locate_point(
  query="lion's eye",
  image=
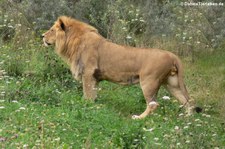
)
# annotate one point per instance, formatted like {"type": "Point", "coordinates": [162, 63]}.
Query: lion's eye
{"type": "Point", "coordinates": [51, 30]}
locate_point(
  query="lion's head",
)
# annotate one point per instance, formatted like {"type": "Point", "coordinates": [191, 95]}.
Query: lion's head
{"type": "Point", "coordinates": [65, 27]}
{"type": "Point", "coordinates": [65, 34]}
{"type": "Point", "coordinates": [49, 37]}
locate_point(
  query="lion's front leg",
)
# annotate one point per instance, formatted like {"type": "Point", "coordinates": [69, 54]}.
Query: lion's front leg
{"type": "Point", "coordinates": [89, 87]}
{"type": "Point", "coordinates": [150, 88]}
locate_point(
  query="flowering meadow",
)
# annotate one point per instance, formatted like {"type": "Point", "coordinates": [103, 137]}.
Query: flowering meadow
{"type": "Point", "coordinates": [41, 105]}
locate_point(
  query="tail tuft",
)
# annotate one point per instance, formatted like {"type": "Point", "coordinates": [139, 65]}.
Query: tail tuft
{"type": "Point", "coordinates": [198, 109]}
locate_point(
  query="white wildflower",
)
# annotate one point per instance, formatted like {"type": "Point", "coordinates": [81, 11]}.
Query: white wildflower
{"type": "Point", "coordinates": [10, 26]}
{"type": "Point", "coordinates": [57, 91]}
{"type": "Point", "coordinates": [150, 129]}
{"type": "Point", "coordinates": [180, 106]}
{"type": "Point", "coordinates": [128, 37]}
{"type": "Point", "coordinates": [187, 141]}
{"type": "Point", "coordinates": [25, 145]}
{"type": "Point", "coordinates": [57, 139]}
{"type": "Point", "coordinates": [186, 127]}
{"type": "Point", "coordinates": [156, 139]}
{"type": "Point", "coordinates": [176, 128]}
{"type": "Point", "coordinates": [199, 125]}
{"type": "Point", "coordinates": [181, 114]}
{"type": "Point", "coordinates": [196, 120]}
{"type": "Point", "coordinates": [166, 136]}
{"type": "Point", "coordinates": [14, 101]}
{"type": "Point", "coordinates": [157, 143]}
{"type": "Point", "coordinates": [165, 119]}
{"type": "Point", "coordinates": [2, 107]}
{"type": "Point", "coordinates": [22, 108]}
{"type": "Point", "coordinates": [166, 97]}
{"type": "Point", "coordinates": [208, 116]}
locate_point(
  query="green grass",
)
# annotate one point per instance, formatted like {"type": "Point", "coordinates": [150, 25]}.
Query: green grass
{"type": "Point", "coordinates": [41, 106]}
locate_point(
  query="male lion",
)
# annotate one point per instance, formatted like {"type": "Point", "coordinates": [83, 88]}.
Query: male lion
{"type": "Point", "coordinates": [92, 58]}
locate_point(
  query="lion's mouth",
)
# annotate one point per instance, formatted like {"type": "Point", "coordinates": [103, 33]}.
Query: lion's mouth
{"type": "Point", "coordinates": [46, 43]}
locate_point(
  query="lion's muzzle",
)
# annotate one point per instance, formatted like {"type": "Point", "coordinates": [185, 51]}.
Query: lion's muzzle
{"type": "Point", "coordinates": [46, 43]}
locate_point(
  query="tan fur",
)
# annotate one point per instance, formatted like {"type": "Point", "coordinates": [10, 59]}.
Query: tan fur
{"type": "Point", "coordinates": [92, 58]}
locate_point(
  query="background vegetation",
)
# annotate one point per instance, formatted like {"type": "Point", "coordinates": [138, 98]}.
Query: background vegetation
{"type": "Point", "coordinates": [41, 105]}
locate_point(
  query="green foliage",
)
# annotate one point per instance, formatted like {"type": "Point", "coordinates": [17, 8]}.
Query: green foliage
{"type": "Point", "coordinates": [161, 24]}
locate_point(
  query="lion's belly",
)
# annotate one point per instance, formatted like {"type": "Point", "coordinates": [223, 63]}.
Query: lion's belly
{"type": "Point", "coordinates": [124, 78]}
{"type": "Point", "coordinates": [129, 80]}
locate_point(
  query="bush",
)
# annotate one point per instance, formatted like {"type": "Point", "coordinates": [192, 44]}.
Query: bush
{"type": "Point", "coordinates": [168, 25]}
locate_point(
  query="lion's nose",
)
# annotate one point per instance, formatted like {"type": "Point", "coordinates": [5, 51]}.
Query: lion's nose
{"type": "Point", "coordinates": [42, 36]}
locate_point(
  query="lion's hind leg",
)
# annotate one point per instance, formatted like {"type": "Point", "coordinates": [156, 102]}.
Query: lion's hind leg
{"type": "Point", "coordinates": [182, 96]}
{"type": "Point", "coordinates": [150, 89]}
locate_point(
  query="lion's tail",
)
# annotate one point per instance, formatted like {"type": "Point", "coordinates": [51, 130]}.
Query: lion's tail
{"type": "Point", "coordinates": [180, 74]}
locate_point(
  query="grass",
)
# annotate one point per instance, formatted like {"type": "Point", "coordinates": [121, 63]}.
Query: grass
{"type": "Point", "coordinates": [41, 106]}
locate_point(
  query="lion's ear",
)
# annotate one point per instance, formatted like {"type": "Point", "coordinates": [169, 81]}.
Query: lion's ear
{"type": "Point", "coordinates": [62, 25]}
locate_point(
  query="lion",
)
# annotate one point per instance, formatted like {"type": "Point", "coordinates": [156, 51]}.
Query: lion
{"type": "Point", "coordinates": [92, 58]}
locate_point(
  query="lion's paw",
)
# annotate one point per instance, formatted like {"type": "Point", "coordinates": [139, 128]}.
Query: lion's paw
{"type": "Point", "coordinates": [136, 117]}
